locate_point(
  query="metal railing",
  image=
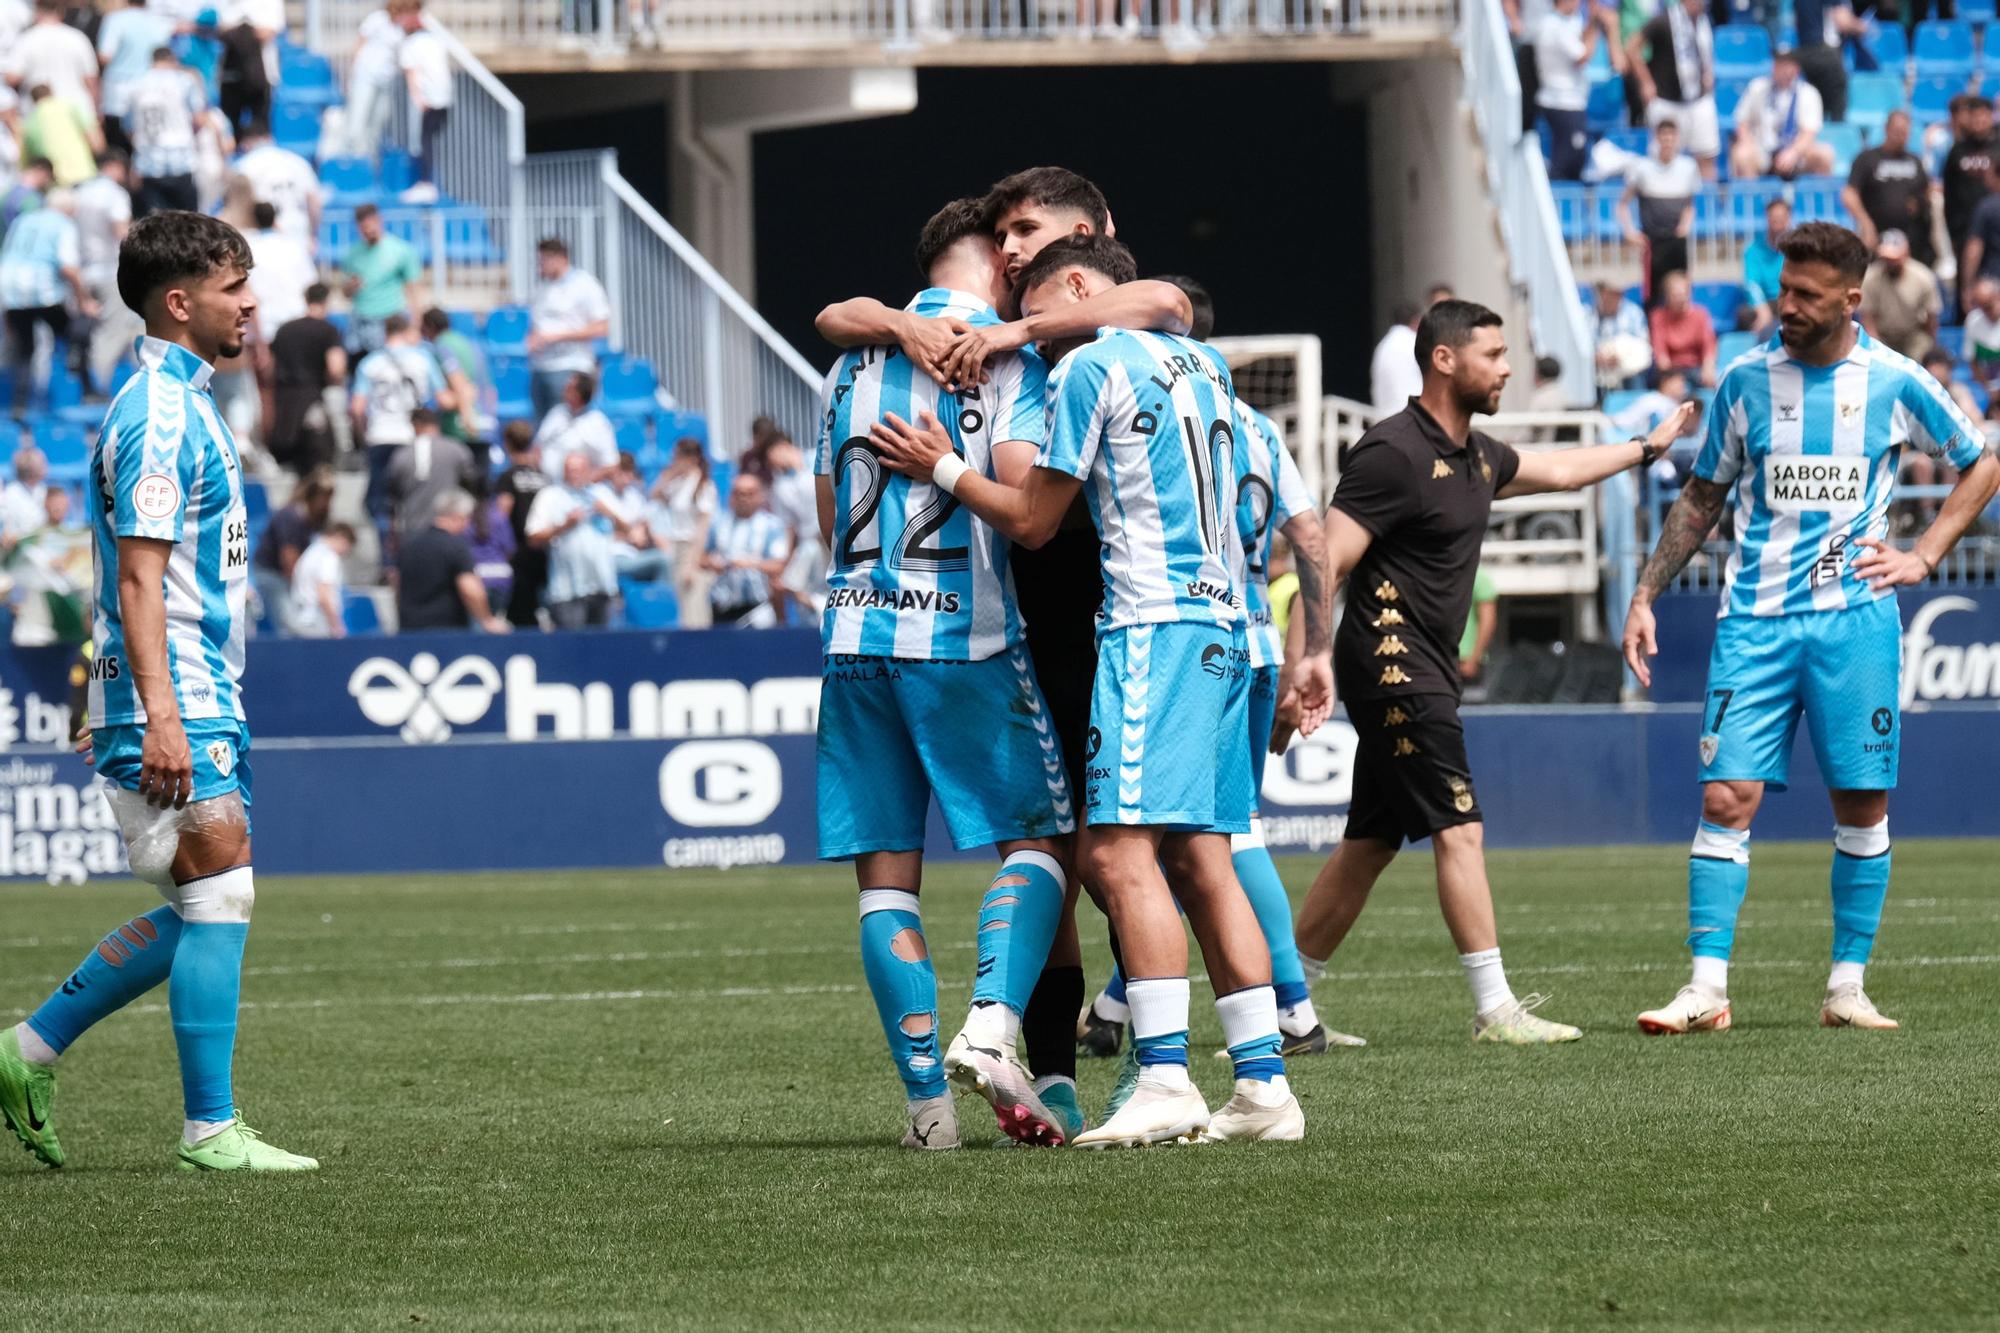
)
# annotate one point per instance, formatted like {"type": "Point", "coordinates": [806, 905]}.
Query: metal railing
{"type": "Point", "coordinates": [1727, 218]}
{"type": "Point", "coordinates": [1518, 184]}
{"type": "Point", "coordinates": [908, 25]}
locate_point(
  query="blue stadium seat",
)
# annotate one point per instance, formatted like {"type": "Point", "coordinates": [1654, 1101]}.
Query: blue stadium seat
{"type": "Point", "coordinates": [340, 320]}
{"type": "Point", "coordinates": [1605, 111]}
{"type": "Point", "coordinates": [466, 322]}
{"type": "Point", "coordinates": [1944, 49]}
{"type": "Point", "coordinates": [1845, 141]}
{"type": "Point", "coordinates": [1742, 51]}
{"type": "Point", "coordinates": [1817, 199]}
{"type": "Point", "coordinates": [1951, 337]}
{"type": "Point", "coordinates": [513, 399]}
{"type": "Point", "coordinates": [467, 238]}
{"type": "Point", "coordinates": [1931, 97]}
{"type": "Point", "coordinates": [673, 427]}
{"type": "Point", "coordinates": [296, 127]}
{"type": "Point", "coordinates": [1728, 92]}
{"type": "Point", "coordinates": [1978, 13]}
{"type": "Point", "coordinates": [626, 389]}
{"type": "Point", "coordinates": [1722, 300]}
{"type": "Point", "coordinates": [650, 605]}
{"type": "Point", "coordinates": [306, 80]}
{"type": "Point", "coordinates": [349, 181]}
{"type": "Point", "coordinates": [507, 331]}
{"type": "Point", "coordinates": [1870, 99]}
{"type": "Point", "coordinates": [632, 437]}
{"type": "Point", "coordinates": [1729, 346]}
{"type": "Point", "coordinates": [399, 170]}
{"type": "Point", "coordinates": [67, 448]}
{"type": "Point", "coordinates": [1890, 46]}
{"type": "Point", "coordinates": [361, 614]}
{"type": "Point", "coordinates": [1632, 140]}
{"type": "Point", "coordinates": [1572, 199]}
{"type": "Point", "coordinates": [1619, 399]}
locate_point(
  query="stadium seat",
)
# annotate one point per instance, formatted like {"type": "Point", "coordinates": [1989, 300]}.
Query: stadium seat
{"type": "Point", "coordinates": [1635, 140]}
{"type": "Point", "coordinates": [626, 389]}
{"type": "Point", "coordinates": [1722, 300]}
{"type": "Point", "coordinates": [507, 331]}
{"type": "Point", "coordinates": [349, 181]}
{"type": "Point", "coordinates": [650, 605]}
{"type": "Point", "coordinates": [1731, 345]}
{"type": "Point", "coordinates": [1742, 51]}
{"type": "Point", "coordinates": [467, 322]}
{"type": "Point", "coordinates": [1931, 98]}
{"type": "Point", "coordinates": [1844, 139]}
{"type": "Point", "coordinates": [306, 80]}
{"type": "Point", "coordinates": [399, 170]}
{"type": "Point", "coordinates": [1978, 13]}
{"type": "Point", "coordinates": [1728, 92]}
{"type": "Point", "coordinates": [467, 238]}
{"type": "Point", "coordinates": [1619, 399]}
{"type": "Point", "coordinates": [1870, 99]}
{"type": "Point", "coordinates": [672, 427]}
{"type": "Point", "coordinates": [1890, 46]}
{"type": "Point", "coordinates": [296, 127]}
{"type": "Point", "coordinates": [340, 320]}
{"type": "Point", "coordinates": [361, 614]}
{"type": "Point", "coordinates": [1951, 337]}
{"type": "Point", "coordinates": [1817, 199]}
{"type": "Point", "coordinates": [513, 401]}
{"type": "Point", "coordinates": [1605, 111]}
{"type": "Point", "coordinates": [1944, 49]}
{"type": "Point", "coordinates": [632, 438]}
{"type": "Point", "coordinates": [1572, 200]}
{"type": "Point", "coordinates": [67, 448]}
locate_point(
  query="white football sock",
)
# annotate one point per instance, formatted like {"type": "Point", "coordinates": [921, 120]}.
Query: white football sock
{"type": "Point", "coordinates": [1844, 974]}
{"type": "Point", "coordinates": [1174, 1078]}
{"type": "Point", "coordinates": [1314, 968]}
{"type": "Point", "coordinates": [1298, 1020]}
{"type": "Point", "coordinates": [1488, 980]}
{"type": "Point", "coordinates": [1712, 973]}
{"type": "Point", "coordinates": [194, 1131]}
{"type": "Point", "coordinates": [1110, 1010]}
{"type": "Point", "coordinates": [994, 1026]}
{"type": "Point", "coordinates": [33, 1049]}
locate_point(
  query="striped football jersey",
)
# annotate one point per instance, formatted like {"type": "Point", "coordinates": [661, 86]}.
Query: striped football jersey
{"type": "Point", "coordinates": [1269, 494]}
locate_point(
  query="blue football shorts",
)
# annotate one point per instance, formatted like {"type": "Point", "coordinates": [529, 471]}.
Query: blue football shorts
{"type": "Point", "coordinates": [895, 732]}
{"type": "Point", "coordinates": [221, 749]}
{"type": "Point", "coordinates": [1169, 729]}
{"type": "Point", "coordinates": [1841, 670]}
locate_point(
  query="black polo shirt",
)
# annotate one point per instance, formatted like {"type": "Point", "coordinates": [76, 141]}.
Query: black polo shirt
{"type": "Point", "coordinates": [1425, 500]}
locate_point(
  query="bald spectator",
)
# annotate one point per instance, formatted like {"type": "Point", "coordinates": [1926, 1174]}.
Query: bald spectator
{"type": "Point", "coordinates": [1900, 302]}
{"type": "Point", "coordinates": [1889, 190]}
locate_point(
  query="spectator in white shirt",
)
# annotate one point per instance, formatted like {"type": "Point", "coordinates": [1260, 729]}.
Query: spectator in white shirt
{"type": "Point", "coordinates": [280, 274]}
{"type": "Point", "coordinates": [373, 78]}
{"type": "Point", "coordinates": [319, 586]}
{"type": "Point", "coordinates": [1777, 126]}
{"type": "Point", "coordinates": [103, 216]}
{"type": "Point", "coordinates": [1662, 186]}
{"type": "Point", "coordinates": [426, 65]}
{"type": "Point", "coordinates": [746, 549]}
{"type": "Point", "coordinates": [1563, 47]}
{"type": "Point", "coordinates": [23, 501]}
{"type": "Point", "coordinates": [684, 504]}
{"type": "Point", "coordinates": [125, 43]}
{"type": "Point", "coordinates": [281, 178]}
{"type": "Point", "coordinates": [1393, 375]}
{"type": "Point", "coordinates": [571, 312]}
{"type": "Point", "coordinates": [795, 500]}
{"type": "Point", "coordinates": [575, 527]}
{"type": "Point", "coordinates": [52, 52]}
{"type": "Point", "coordinates": [573, 426]}
{"type": "Point", "coordinates": [1622, 338]}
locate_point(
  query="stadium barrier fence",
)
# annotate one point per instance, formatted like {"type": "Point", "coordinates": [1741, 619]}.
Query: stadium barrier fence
{"type": "Point", "coordinates": [695, 748]}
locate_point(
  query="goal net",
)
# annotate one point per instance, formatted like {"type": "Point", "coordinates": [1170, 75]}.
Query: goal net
{"type": "Point", "coordinates": [1278, 374]}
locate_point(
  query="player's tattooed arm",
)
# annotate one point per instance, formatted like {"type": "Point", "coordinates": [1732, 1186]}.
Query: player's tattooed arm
{"type": "Point", "coordinates": [1308, 539]}
{"type": "Point", "coordinates": [866, 322]}
{"type": "Point", "coordinates": [1687, 526]}
{"type": "Point", "coordinates": [1160, 307]}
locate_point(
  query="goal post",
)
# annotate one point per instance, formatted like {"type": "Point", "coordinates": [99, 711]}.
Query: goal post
{"type": "Point", "coordinates": [1279, 375]}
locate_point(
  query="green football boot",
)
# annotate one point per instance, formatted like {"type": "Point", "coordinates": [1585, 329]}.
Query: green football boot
{"type": "Point", "coordinates": [1128, 1079]}
{"type": "Point", "coordinates": [237, 1147]}
{"type": "Point", "coordinates": [27, 1100]}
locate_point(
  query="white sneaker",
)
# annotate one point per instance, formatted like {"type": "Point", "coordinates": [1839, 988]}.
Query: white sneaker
{"type": "Point", "coordinates": [933, 1124]}
{"type": "Point", "coordinates": [1154, 1114]}
{"type": "Point", "coordinates": [1515, 1024]}
{"type": "Point", "coordinates": [1848, 1006]}
{"type": "Point", "coordinates": [1696, 1008]}
{"type": "Point", "coordinates": [997, 1074]}
{"type": "Point", "coordinates": [423, 192]}
{"type": "Point", "coordinates": [1244, 1118]}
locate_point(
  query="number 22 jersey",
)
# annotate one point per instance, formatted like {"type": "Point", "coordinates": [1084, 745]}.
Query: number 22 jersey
{"type": "Point", "coordinates": [164, 467]}
{"type": "Point", "coordinates": [914, 574]}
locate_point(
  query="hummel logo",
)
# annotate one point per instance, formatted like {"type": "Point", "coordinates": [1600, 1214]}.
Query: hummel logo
{"type": "Point", "coordinates": [1392, 646]}
{"type": "Point", "coordinates": [1440, 469]}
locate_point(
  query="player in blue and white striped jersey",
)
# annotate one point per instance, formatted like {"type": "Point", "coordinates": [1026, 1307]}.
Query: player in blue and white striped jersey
{"type": "Point", "coordinates": [172, 555]}
{"type": "Point", "coordinates": [1143, 425]}
{"type": "Point", "coordinates": [1807, 432]}
{"type": "Point", "coordinates": [928, 689]}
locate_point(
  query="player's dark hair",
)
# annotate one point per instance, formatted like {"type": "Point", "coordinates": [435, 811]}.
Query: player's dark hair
{"type": "Point", "coordinates": [257, 128]}
{"type": "Point", "coordinates": [1099, 254]}
{"type": "Point", "coordinates": [1202, 327]}
{"type": "Point", "coordinates": [173, 247]}
{"type": "Point", "coordinates": [1826, 243]}
{"type": "Point", "coordinates": [39, 164]}
{"type": "Point", "coordinates": [364, 211]}
{"type": "Point", "coordinates": [1451, 323]}
{"type": "Point", "coordinates": [628, 461]}
{"type": "Point", "coordinates": [113, 157]}
{"type": "Point", "coordinates": [956, 221]}
{"type": "Point", "coordinates": [1051, 187]}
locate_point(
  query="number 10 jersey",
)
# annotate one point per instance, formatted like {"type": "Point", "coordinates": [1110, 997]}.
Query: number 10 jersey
{"type": "Point", "coordinates": [914, 574]}
{"type": "Point", "coordinates": [165, 468]}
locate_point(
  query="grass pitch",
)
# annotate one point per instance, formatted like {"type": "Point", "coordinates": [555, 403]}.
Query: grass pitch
{"type": "Point", "coordinates": [662, 1100]}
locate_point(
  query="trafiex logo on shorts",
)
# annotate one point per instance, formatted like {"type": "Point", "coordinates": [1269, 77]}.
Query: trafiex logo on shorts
{"type": "Point", "coordinates": [54, 831]}
{"type": "Point", "coordinates": [1939, 671]}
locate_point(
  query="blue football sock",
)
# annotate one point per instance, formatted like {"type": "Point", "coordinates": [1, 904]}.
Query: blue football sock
{"type": "Point", "coordinates": [1259, 877]}
{"type": "Point", "coordinates": [1017, 924]}
{"type": "Point", "coordinates": [202, 995]}
{"type": "Point", "coordinates": [1114, 989]}
{"type": "Point", "coordinates": [127, 963]}
{"type": "Point", "coordinates": [1718, 877]}
{"type": "Point", "coordinates": [1159, 1020]}
{"type": "Point", "coordinates": [900, 976]}
{"type": "Point", "coordinates": [1860, 885]}
{"type": "Point", "coordinates": [1250, 1030]}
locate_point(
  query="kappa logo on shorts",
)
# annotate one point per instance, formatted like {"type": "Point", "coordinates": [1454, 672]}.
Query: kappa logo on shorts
{"type": "Point", "coordinates": [1883, 721]}
{"type": "Point", "coordinates": [1710, 747]}
{"type": "Point", "coordinates": [222, 756]}
{"type": "Point", "coordinates": [1394, 675]}
{"type": "Point", "coordinates": [1392, 646]}
{"type": "Point", "coordinates": [1461, 794]}
{"type": "Point", "coordinates": [1389, 617]}
{"type": "Point", "coordinates": [1395, 717]}
{"type": "Point", "coordinates": [1214, 660]}
{"type": "Point", "coordinates": [1404, 748]}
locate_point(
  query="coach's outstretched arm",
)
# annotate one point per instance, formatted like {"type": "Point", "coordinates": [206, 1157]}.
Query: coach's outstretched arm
{"type": "Point", "coordinates": [1027, 515]}
{"type": "Point", "coordinates": [864, 321]}
{"type": "Point", "coordinates": [1148, 304]}
{"type": "Point", "coordinates": [1686, 527]}
{"type": "Point", "coordinates": [1884, 566]}
{"type": "Point", "coordinates": [1574, 469]}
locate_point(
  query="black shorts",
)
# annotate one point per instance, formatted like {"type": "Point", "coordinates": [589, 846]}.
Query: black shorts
{"type": "Point", "coordinates": [1410, 773]}
{"type": "Point", "coordinates": [1059, 589]}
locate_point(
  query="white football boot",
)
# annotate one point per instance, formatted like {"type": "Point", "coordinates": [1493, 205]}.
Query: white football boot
{"type": "Point", "coordinates": [933, 1124]}
{"type": "Point", "coordinates": [997, 1074]}
{"type": "Point", "coordinates": [1697, 1008]}
{"type": "Point", "coordinates": [1515, 1024]}
{"type": "Point", "coordinates": [1154, 1113]}
{"type": "Point", "coordinates": [1258, 1113]}
{"type": "Point", "coordinates": [1848, 1006]}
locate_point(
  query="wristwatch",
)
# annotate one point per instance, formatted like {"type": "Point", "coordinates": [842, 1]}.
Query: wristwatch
{"type": "Point", "coordinates": [1648, 455]}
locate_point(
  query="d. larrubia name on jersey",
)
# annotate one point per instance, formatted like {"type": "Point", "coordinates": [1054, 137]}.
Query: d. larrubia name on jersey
{"type": "Point", "coordinates": [914, 575]}
{"type": "Point", "coordinates": [1813, 453]}
{"type": "Point", "coordinates": [1136, 416]}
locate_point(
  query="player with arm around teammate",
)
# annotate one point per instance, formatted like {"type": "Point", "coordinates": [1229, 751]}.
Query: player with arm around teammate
{"type": "Point", "coordinates": [1142, 424]}
{"type": "Point", "coordinates": [1404, 533]}
{"type": "Point", "coordinates": [172, 554]}
{"type": "Point", "coordinates": [928, 688]}
{"type": "Point", "coordinates": [1808, 430]}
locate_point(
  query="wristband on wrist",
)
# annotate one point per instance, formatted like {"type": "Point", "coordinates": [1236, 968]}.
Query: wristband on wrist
{"type": "Point", "coordinates": [946, 472]}
{"type": "Point", "coordinates": [1648, 455]}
